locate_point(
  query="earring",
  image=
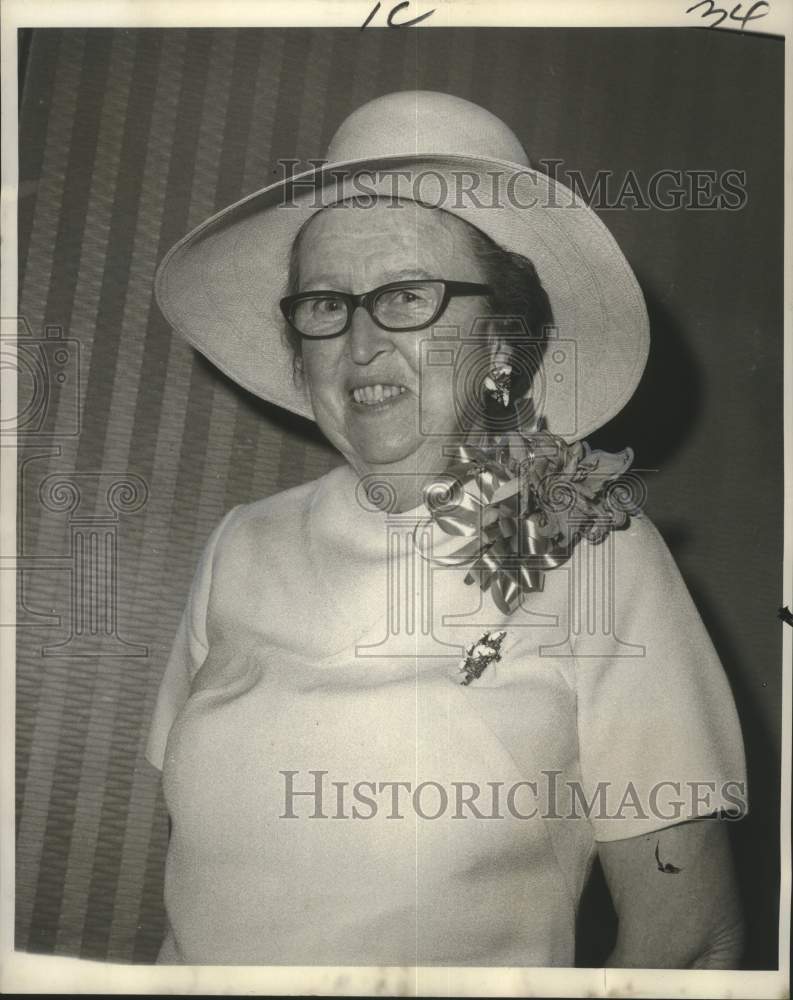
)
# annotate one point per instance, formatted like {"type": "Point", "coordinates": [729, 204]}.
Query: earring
{"type": "Point", "coordinates": [498, 382]}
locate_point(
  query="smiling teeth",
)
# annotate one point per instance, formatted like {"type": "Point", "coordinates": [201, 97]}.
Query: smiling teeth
{"type": "Point", "coordinates": [369, 394]}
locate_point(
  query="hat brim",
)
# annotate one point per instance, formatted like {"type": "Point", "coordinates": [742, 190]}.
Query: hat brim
{"type": "Point", "coordinates": [220, 285]}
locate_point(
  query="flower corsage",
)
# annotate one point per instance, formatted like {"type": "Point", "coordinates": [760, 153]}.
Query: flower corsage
{"type": "Point", "coordinates": [522, 502]}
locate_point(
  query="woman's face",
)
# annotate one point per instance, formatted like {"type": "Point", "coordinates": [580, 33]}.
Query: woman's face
{"type": "Point", "coordinates": [355, 249]}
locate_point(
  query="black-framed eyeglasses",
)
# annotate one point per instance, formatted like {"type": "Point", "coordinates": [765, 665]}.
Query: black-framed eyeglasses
{"type": "Point", "coordinates": [397, 306]}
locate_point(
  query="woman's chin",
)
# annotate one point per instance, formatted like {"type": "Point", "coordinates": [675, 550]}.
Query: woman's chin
{"type": "Point", "coordinates": [385, 442]}
{"type": "Point", "coordinates": [388, 452]}
{"type": "Point", "coordinates": [400, 450]}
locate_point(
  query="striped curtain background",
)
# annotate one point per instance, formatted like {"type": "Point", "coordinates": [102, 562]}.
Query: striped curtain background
{"type": "Point", "coordinates": [132, 447]}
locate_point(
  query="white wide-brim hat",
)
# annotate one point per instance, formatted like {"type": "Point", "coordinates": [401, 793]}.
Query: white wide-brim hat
{"type": "Point", "coordinates": [221, 284]}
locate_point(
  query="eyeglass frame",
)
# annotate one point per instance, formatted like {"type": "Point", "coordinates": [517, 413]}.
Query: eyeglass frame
{"type": "Point", "coordinates": [451, 289]}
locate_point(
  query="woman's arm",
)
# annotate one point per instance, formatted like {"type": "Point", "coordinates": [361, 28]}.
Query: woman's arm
{"type": "Point", "coordinates": [689, 919]}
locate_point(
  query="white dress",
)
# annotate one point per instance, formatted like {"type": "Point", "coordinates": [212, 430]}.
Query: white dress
{"type": "Point", "coordinates": [338, 797]}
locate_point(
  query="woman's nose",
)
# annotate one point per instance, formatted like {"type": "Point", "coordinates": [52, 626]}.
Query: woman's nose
{"type": "Point", "coordinates": [366, 338]}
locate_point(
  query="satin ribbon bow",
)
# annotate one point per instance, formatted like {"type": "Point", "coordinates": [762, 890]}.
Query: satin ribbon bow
{"type": "Point", "coordinates": [513, 500]}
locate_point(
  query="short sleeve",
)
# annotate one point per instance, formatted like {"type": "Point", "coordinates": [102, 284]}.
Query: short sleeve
{"type": "Point", "coordinates": [187, 653]}
{"type": "Point", "coordinates": [659, 736]}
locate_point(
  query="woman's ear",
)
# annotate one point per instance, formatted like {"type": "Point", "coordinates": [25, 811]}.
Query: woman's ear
{"type": "Point", "coordinates": [298, 371]}
{"type": "Point", "coordinates": [497, 386]}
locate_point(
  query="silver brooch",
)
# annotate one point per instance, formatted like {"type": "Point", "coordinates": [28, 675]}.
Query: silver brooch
{"type": "Point", "coordinates": [480, 654]}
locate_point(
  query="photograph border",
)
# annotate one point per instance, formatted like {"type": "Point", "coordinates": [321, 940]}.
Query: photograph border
{"type": "Point", "coordinates": [27, 973]}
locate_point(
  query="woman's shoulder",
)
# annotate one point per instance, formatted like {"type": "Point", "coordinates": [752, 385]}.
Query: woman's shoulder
{"type": "Point", "coordinates": [632, 576]}
{"type": "Point", "coordinates": [272, 516]}
{"type": "Point", "coordinates": [637, 546]}
{"type": "Point", "coordinates": [632, 569]}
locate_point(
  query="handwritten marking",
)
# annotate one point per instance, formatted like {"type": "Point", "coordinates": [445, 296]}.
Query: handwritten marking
{"type": "Point", "coordinates": [369, 18]}
{"type": "Point", "coordinates": [390, 20]}
{"type": "Point", "coordinates": [665, 866]}
{"type": "Point", "coordinates": [734, 15]}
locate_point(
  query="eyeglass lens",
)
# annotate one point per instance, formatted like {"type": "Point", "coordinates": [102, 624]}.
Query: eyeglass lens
{"type": "Point", "coordinates": [397, 308]}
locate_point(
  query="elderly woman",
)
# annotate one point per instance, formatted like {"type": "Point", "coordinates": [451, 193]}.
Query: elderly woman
{"type": "Point", "coordinates": [410, 702]}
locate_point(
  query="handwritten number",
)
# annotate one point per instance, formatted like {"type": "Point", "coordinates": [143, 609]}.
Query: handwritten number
{"type": "Point", "coordinates": [392, 14]}
{"type": "Point", "coordinates": [750, 15]}
{"type": "Point", "coordinates": [374, 11]}
{"type": "Point", "coordinates": [712, 9]}
{"type": "Point", "coordinates": [734, 15]}
{"type": "Point", "coordinates": [407, 24]}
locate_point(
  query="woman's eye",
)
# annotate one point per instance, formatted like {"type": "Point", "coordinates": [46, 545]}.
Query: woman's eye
{"type": "Point", "coordinates": [405, 296]}
{"type": "Point", "coordinates": [325, 305]}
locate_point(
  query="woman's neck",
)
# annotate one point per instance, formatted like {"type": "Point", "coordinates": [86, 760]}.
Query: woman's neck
{"type": "Point", "coordinates": [402, 486]}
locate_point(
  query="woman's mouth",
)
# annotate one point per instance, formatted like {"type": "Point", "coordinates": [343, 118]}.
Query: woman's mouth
{"type": "Point", "coordinates": [374, 395]}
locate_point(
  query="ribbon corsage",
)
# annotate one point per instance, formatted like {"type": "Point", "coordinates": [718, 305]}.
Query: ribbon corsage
{"type": "Point", "coordinates": [523, 502]}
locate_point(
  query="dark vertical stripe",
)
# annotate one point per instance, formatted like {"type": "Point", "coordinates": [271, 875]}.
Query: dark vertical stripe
{"type": "Point", "coordinates": [226, 114]}
{"type": "Point", "coordinates": [286, 126]}
{"type": "Point", "coordinates": [151, 921]}
{"type": "Point", "coordinates": [61, 806]}
{"type": "Point", "coordinates": [236, 132]}
{"type": "Point", "coordinates": [290, 88]}
{"type": "Point", "coordinates": [487, 53]}
{"type": "Point", "coordinates": [70, 232]}
{"type": "Point", "coordinates": [234, 142]}
{"type": "Point", "coordinates": [157, 340]}
{"type": "Point", "coordinates": [34, 113]}
{"type": "Point", "coordinates": [77, 183]}
{"type": "Point", "coordinates": [121, 241]}
{"type": "Point", "coordinates": [29, 666]}
{"type": "Point", "coordinates": [114, 816]}
{"type": "Point", "coordinates": [65, 254]}
{"type": "Point", "coordinates": [433, 58]}
{"type": "Point", "coordinates": [390, 76]}
{"type": "Point", "coordinates": [336, 93]}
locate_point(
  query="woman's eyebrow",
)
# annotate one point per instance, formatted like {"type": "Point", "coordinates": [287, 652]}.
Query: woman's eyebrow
{"type": "Point", "coordinates": [407, 273]}
{"type": "Point", "coordinates": [324, 282]}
